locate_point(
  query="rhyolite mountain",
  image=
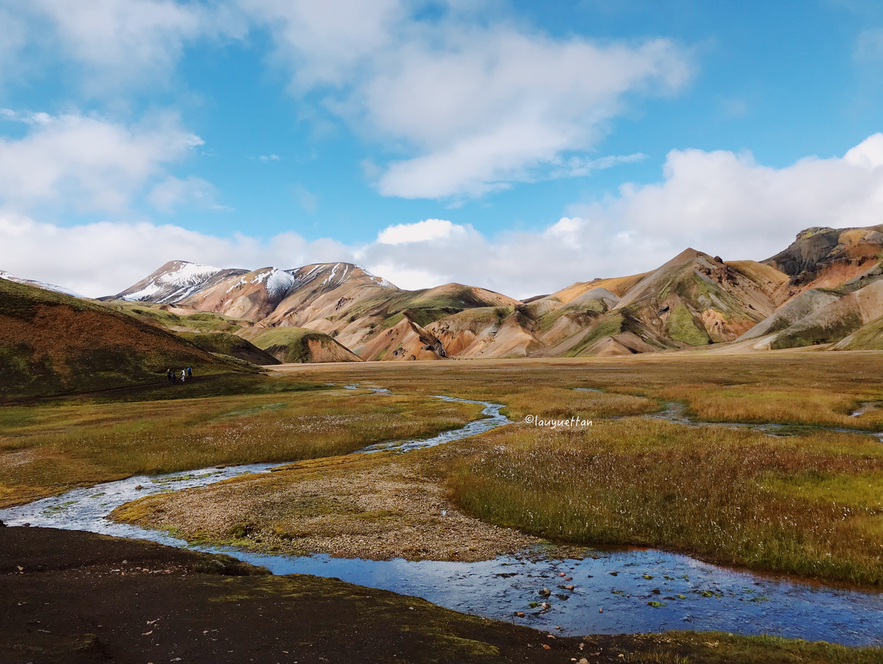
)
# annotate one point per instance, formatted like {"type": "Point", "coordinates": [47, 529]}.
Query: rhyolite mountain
{"type": "Point", "coordinates": [823, 288]}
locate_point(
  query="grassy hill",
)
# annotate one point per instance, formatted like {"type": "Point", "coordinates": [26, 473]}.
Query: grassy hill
{"type": "Point", "coordinates": [52, 343]}
{"type": "Point", "coordinates": [297, 344]}
{"type": "Point", "coordinates": [230, 344]}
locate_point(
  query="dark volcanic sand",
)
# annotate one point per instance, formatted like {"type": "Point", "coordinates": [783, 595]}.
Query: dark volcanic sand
{"type": "Point", "coordinates": [80, 597]}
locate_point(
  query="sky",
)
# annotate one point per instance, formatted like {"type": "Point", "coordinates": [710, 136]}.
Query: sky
{"type": "Point", "coordinates": [513, 145]}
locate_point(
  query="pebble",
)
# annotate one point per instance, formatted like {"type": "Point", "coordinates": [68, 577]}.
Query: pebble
{"type": "Point", "coordinates": [138, 487]}
{"type": "Point", "coordinates": [568, 587]}
{"type": "Point", "coordinates": [546, 605]}
{"type": "Point", "coordinates": [520, 614]}
{"type": "Point", "coordinates": [545, 592]}
{"type": "Point", "coordinates": [600, 610]}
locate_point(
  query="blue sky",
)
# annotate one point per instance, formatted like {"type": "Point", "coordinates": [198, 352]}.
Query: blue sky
{"type": "Point", "coordinates": [519, 146]}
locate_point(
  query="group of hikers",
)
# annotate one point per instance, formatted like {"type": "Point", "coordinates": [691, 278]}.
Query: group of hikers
{"type": "Point", "coordinates": [185, 373]}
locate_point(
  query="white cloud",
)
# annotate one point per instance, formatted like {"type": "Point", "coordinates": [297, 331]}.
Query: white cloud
{"type": "Point", "coordinates": [580, 167]}
{"type": "Point", "coordinates": [474, 105]}
{"type": "Point", "coordinates": [125, 41]}
{"type": "Point", "coordinates": [86, 161]}
{"type": "Point", "coordinates": [430, 230]}
{"type": "Point", "coordinates": [718, 202]}
{"type": "Point", "coordinates": [104, 258]}
{"type": "Point", "coordinates": [266, 158]}
{"type": "Point", "coordinates": [470, 102]}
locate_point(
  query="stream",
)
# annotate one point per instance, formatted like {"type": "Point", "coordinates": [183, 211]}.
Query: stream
{"type": "Point", "coordinates": [614, 591]}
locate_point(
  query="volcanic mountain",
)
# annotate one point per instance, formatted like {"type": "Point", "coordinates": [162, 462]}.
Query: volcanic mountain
{"type": "Point", "coordinates": [341, 300]}
{"type": "Point", "coordinates": [820, 289]}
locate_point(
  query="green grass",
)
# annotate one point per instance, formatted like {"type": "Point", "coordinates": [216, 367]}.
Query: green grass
{"type": "Point", "coordinates": [818, 334]}
{"type": "Point", "coordinates": [681, 327]}
{"type": "Point", "coordinates": [611, 326]}
{"type": "Point", "coordinates": [229, 344]}
{"type": "Point", "coordinates": [288, 344]}
{"type": "Point", "coordinates": [200, 322]}
{"type": "Point", "coordinates": [725, 648]}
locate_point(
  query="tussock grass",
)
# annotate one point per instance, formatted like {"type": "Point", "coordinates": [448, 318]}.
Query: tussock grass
{"type": "Point", "coordinates": [47, 449]}
{"type": "Point", "coordinates": [803, 505]}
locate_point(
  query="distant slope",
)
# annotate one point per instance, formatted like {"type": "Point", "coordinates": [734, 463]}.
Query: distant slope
{"type": "Point", "coordinates": [230, 344]}
{"type": "Point", "coordinates": [52, 343]}
{"type": "Point", "coordinates": [38, 284]}
{"type": "Point", "coordinates": [827, 258]}
{"type": "Point", "coordinates": [867, 337]}
{"type": "Point", "coordinates": [823, 315]}
{"type": "Point", "coordinates": [179, 320]}
{"type": "Point", "coordinates": [294, 344]}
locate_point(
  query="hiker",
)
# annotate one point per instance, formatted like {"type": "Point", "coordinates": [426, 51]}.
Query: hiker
{"type": "Point", "coordinates": [183, 374]}
{"type": "Point", "coordinates": [190, 372]}
{"type": "Point", "coordinates": [170, 376]}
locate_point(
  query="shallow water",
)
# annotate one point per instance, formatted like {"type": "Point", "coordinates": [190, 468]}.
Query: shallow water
{"type": "Point", "coordinates": [615, 581]}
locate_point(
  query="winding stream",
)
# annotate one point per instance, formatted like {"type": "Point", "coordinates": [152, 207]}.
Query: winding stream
{"type": "Point", "coordinates": [614, 591]}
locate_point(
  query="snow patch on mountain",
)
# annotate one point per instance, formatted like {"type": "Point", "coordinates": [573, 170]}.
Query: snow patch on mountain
{"type": "Point", "coordinates": [383, 283]}
{"type": "Point", "coordinates": [39, 284]}
{"type": "Point", "coordinates": [178, 284]}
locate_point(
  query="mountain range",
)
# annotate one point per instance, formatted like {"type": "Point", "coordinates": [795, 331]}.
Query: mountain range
{"type": "Point", "coordinates": [825, 288]}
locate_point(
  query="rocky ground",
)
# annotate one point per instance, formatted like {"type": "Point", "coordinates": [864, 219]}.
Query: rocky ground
{"type": "Point", "coordinates": [358, 506]}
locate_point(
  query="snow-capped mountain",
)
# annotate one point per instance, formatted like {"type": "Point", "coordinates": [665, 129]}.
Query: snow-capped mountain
{"type": "Point", "coordinates": [38, 284]}
{"type": "Point", "coordinates": [175, 281]}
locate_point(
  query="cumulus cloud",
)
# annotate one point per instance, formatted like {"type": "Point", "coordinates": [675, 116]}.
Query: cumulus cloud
{"type": "Point", "coordinates": [476, 105]}
{"type": "Point", "coordinates": [468, 101]}
{"type": "Point", "coordinates": [124, 41]}
{"type": "Point", "coordinates": [430, 230]}
{"type": "Point", "coordinates": [718, 202]}
{"type": "Point", "coordinates": [88, 162]}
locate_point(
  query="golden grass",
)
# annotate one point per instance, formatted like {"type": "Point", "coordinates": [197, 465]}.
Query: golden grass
{"type": "Point", "coordinates": [805, 505]}
{"type": "Point", "coordinates": [812, 388]}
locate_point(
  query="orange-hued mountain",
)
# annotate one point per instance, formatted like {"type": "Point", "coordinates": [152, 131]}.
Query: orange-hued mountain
{"type": "Point", "coordinates": [823, 288]}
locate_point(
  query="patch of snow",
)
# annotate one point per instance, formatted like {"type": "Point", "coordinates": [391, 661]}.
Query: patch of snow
{"type": "Point", "coordinates": [239, 283]}
{"type": "Point", "coordinates": [383, 283]}
{"type": "Point", "coordinates": [331, 276]}
{"type": "Point", "coordinates": [38, 284]}
{"type": "Point", "coordinates": [279, 283]}
{"type": "Point", "coordinates": [178, 284]}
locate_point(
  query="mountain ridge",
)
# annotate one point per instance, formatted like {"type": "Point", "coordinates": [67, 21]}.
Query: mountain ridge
{"type": "Point", "coordinates": [818, 290]}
